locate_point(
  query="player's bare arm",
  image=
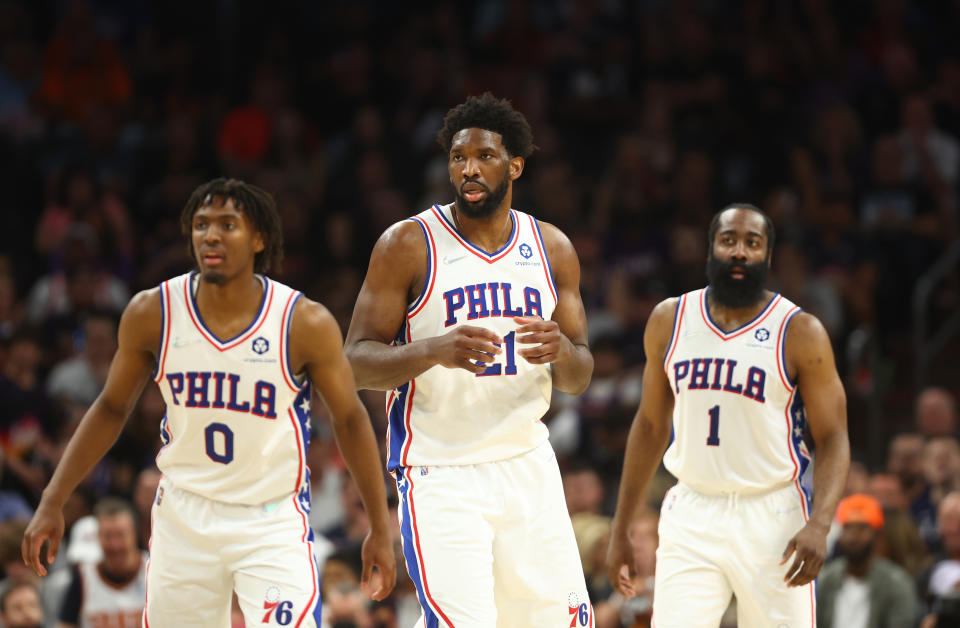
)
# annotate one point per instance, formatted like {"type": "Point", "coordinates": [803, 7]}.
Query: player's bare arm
{"type": "Point", "coordinates": [317, 348]}
{"type": "Point", "coordinates": [395, 277]}
{"type": "Point", "coordinates": [811, 364]}
{"type": "Point", "coordinates": [561, 341]}
{"type": "Point", "coordinates": [138, 338]}
{"type": "Point", "coordinates": [646, 443]}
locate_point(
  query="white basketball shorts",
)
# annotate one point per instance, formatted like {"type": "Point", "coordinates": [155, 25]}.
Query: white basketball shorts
{"type": "Point", "coordinates": [491, 545]}
{"type": "Point", "coordinates": [712, 547]}
{"type": "Point", "coordinates": [202, 550]}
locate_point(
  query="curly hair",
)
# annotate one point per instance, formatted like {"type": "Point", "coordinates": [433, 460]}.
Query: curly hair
{"type": "Point", "coordinates": [255, 202]}
{"type": "Point", "coordinates": [493, 114]}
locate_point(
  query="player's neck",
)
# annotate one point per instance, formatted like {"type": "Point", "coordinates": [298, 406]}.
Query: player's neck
{"type": "Point", "coordinates": [227, 307]}
{"type": "Point", "coordinates": [490, 233]}
{"type": "Point", "coordinates": [728, 318]}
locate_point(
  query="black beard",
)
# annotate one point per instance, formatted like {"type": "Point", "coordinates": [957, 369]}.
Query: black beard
{"type": "Point", "coordinates": [859, 556]}
{"type": "Point", "coordinates": [736, 293]}
{"type": "Point", "coordinates": [487, 206]}
{"type": "Point", "coordinates": [215, 277]}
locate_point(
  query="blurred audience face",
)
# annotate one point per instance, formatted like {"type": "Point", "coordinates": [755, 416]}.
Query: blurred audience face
{"type": "Point", "coordinates": [583, 490]}
{"type": "Point", "coordinates": [886, 489]}
{"type": "Point", "coordinates": [935, 413]}
{"type": "Point", "coordinates": [118, 538]}
{"type": "Point", "coordinates": [904, 458]}
{"type": "Point", "coordinates": [21, 608]}
{"type": "Point", "coordinates": [858, 479]}
{"type": "Point", "coordinates": [941, 462]}
{"type": "Point", "coordinates": [948, 524]}
{"type": "Point", "coordinates": [856, 542]}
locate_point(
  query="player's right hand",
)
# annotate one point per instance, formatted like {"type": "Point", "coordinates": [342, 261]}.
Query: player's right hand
{"type": "Point", "coordinates": [46, 525]}
{"type": "Point", "coordinates": [466, 347]}
{"type": "Point", "coordinates": [377, 551]}
{"type": "Point", "coordinates": [620, 569]}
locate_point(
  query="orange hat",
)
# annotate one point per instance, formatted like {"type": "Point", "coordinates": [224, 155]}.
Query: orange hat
{"type": "Point", "coordinates": [860, 509]}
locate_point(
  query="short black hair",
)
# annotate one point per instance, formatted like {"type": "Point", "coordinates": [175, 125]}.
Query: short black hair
{"type": "Point", "coordinates": [493, 114]}
{"type": "Point", "coordinates": [771, 233]}
{"type": "Point", "coordinates": [258, 205]}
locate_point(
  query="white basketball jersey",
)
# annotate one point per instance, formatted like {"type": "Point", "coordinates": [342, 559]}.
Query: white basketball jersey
{"type": "Point", "coordinates": [109, 605]}
{"type": "Point", "coordinates": [738, 419]}
{"type": "Point", "coordinates": [452, 416]}
{"type": "Point", "coordinates": [238, 420]}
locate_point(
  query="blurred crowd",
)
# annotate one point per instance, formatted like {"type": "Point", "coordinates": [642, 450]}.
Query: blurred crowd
{"type": "Point", "coordinates": [841, 120]}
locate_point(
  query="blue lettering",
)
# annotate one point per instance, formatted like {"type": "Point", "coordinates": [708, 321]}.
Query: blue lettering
{"type": "Point", "coordinates": [218, 390]}
{"type": "Point", "coordinates": [507, 310]}
{"type": "Point", "coordinates": [756, 379]}
{"type": "Point", "coordinates": [232, 404]}
{"type": "Point", "coordinates": [717, 367]}
{"type": "Point", "coordinates": [455, 301]}
{"type": "Point", "coordinates": [478, 302]}
{"type": "Point", "coordinates": [531, 298]}
{"type": "Point", "coordinates": [701, 368]}
{"type": "Point", "coordinates": [495, 310]}
{"type": "Point", "coordinates": [680, 371]}
{"type": "Point", "coordinates": [197, 392]}
{"type": "Point", "coordinates": [264, 400]}
{"type": "Point", "coordinates": [175, 380]}
{"type": "Point", "coordinates": [729, 387]}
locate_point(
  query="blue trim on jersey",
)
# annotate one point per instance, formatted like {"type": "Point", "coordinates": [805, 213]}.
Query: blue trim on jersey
{"type": "Point", "coordinates": [673, 331]}
{"type": "Point", "coordinates": [706, 309]}
{"type": "Point", "coordinates": [193, 303]}
{"type": "Point", "coordinates": [783, 348]}
{"type": "Point", "coordinates": [453, 227]}
{"type": "Point", "coordinates": [543, 247]}
{"type": "Point", "coordinates": [397, 426]}
{"type": "Point", "coordinates": [430, 264]}
{"type": "Point", "coordinates": [286, 342]}
{"type": "Point", "coordinates": [303, 420]}
{"type": "Point", "coordinates": [163, 328]}
{"type": "Point", "coordinates": [798, 421]}
{"type": "Point", "coordinates": [410, 550]}
{"type": "Point", "coordinates": [318, 608]}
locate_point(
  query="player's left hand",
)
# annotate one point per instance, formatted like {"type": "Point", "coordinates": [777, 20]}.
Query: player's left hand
{"type": "Point", "coordinates": [549, 343]}
{"type": "Point", "coordinates": [809, 547]}
{"type": "Point", "coordinates": [377, 551]}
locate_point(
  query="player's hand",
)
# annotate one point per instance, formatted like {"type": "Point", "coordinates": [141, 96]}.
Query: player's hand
{"type": "Point", "coordinates": [809, 548]}
{"type": "Point", "coordinates": [377, 552]}
{"type": "Point", "coordinates": [466, 347]}
{"type": "Point", "coordinates": [620, 568]}
{"type": "Point", "coordinates": [549, 343]}
{"type": "Point", "coordinates": [46, 525]}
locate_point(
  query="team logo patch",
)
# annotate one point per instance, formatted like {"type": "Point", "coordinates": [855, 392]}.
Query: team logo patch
{"type": "Point", "coordinates": [276, 609]}
{"type": "Point", "coordinates": [579, 612]}
{"type": "Point", "coordinates": [762, 334]}
{"type": "Point", "coordinates": [260, 345]}
{"type": "Point", "coordinates": [526, 251]}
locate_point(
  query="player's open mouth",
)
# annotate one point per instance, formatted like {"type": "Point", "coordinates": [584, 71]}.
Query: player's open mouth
{"type": "Point", "coordinates": [473, 192]}
{"type": "Point", "coordinates": [212, 260]}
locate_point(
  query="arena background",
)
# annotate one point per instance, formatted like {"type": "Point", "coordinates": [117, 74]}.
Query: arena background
{"type": "Point", "coordinates": [841, 120]}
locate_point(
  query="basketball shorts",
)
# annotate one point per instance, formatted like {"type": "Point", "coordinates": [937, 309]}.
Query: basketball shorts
{"type": "Point", "coordinates": [202, 550]}
{"type": "Point", "coordinates": [491, 544]}
{"type": "Point", "coordinates": [712, 547]}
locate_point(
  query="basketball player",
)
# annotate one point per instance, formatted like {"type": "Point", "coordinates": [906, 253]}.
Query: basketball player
{"type": "Point", "coordinates": [235, 354]}
{"type": "Point", "coordinates": [469, 314]}
{"type": "Point", "coordinates": [743, 372]}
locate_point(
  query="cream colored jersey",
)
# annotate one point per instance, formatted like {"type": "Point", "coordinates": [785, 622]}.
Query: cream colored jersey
{"type": "Point", "coordinates": [109, 605]}
{"type": "Point", "coordinates": [452, 416]}
{"type": "Point", "coordinates": [738, 420]}
{"type": "Point", "coordinates": [238, 420]}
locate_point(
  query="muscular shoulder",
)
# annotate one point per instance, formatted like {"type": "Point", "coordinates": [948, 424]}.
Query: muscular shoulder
{"type": "Point", "coordinates": [558, 245]}
{"type": "Point", "coordinates": [805, 334]}
{"type": "Point", "coordinates": [142, 322]}
{"type": "Point", "coordinates": [311, 322]}
{"type": "Point", "coordinates": [402, 238]}
{"type": "Point", "coordinates": [659, 328]}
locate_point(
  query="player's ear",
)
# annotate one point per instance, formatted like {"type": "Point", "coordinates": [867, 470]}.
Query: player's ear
{"type": "Point", "coordinates": [516, 168]}
{"type": "Point", "coordinates": [258, 244]}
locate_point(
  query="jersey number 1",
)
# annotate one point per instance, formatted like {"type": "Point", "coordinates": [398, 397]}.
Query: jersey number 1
{"type": "Point", "coordinates": [713, 439]}
{"type": "Point", "coordinates": [511, 368]}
